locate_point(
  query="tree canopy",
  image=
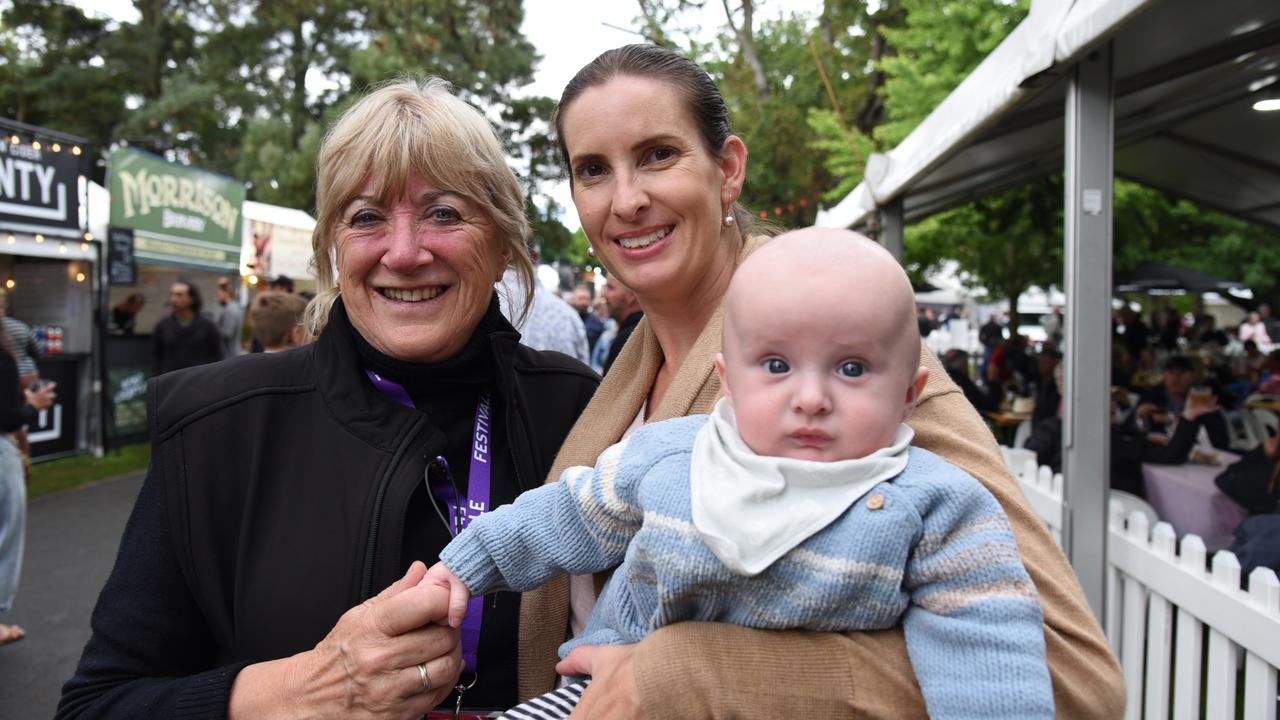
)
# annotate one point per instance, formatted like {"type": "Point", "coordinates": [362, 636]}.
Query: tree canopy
{"type": "Point", "coordinates": [247, 87]}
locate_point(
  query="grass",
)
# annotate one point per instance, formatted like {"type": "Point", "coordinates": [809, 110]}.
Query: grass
{"type": "Point", "coordinates": [55, 475]}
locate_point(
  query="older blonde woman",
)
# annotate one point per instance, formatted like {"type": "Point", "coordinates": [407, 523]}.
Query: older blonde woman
{"type": "Point", "coordinates": [656, 173]}
{"type": "Point", "coordinates": [271, 562]}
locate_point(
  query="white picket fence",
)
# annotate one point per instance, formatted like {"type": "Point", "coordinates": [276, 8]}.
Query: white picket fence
{"type": "Point", "coordinates": [1041, 486]}
{"type": "Point", "coordinates": [1182, 632]}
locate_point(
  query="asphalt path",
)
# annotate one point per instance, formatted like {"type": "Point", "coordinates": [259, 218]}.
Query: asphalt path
{"type": "Point", "coordinates": [72, 538]}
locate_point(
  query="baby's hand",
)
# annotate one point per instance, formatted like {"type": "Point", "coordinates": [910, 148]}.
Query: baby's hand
{"type": "Point", "coordinates": [441, 575]}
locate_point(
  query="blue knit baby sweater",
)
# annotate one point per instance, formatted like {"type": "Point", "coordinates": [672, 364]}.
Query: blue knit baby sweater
{"type": "Point", "coordinates": [934, 552]}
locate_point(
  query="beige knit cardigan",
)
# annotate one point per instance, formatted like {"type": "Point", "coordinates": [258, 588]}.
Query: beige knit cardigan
{"type": "Point", "coordinates": [704, 670]}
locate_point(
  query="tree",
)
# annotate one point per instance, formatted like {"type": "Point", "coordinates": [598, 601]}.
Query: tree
{"type": "Point", "coordinates": [845, 140]}
{"type": "Point", "coordinates": [1008, 241]}
{"type": "Point", "coordinates": [1150, 225]}
{"type": "Point", "coordinates": [770, 67]}
{"type": "Point", "coordinates": [56, 72]}
{"type": "Point", "coordinates": [247, 87]}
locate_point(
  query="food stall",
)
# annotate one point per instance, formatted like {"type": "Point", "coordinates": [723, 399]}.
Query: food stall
{"type": "Point", "coordinates": [47, 261]}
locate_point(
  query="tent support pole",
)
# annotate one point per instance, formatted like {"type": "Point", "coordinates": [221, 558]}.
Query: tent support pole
{"type": "Point", "coordinates": [1086, 438]}
{"type": "Point", "coordinates": [891, 228]}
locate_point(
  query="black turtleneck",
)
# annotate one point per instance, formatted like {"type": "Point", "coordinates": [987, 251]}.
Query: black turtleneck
{"type": "Point", "coordinates": [448, 392]}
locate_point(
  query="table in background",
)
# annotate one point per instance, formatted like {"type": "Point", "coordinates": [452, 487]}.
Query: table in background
{"type": "Point", "coordinates": [1185, 497]}
{"type": "Point", "coordinates": [1271, 403]}
{"type": "Point", "coordinates": [1005, 425]}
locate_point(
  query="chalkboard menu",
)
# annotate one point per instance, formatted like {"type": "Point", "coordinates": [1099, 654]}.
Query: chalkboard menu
{"type": "Point", "coordinates": [122, 267]}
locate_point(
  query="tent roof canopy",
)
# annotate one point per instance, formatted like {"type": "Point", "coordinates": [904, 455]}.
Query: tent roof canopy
{"type": "Point", "coordinates": [1187, 73]}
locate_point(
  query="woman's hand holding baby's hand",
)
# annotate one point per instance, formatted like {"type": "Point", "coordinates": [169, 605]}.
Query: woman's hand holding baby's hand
{"type": "Point", "coordinates": [441, 575]}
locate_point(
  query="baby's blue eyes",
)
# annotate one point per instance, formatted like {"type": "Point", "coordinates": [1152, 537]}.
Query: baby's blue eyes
{"type": "Point", "coordinates": [850, 368]}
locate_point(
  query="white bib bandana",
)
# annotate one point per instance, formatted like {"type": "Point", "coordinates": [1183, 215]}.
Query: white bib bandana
{"type": "Point", "coordinates": [751, 509]}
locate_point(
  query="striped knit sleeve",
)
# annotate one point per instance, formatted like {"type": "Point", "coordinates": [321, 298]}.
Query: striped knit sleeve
{"type": "Point", "coordinates": [974, 628]}
{"type": "Point", "coordinates": [579, 525]}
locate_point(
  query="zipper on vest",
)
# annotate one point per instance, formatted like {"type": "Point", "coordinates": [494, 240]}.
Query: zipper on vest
{"type": "Point", "coordinates": [383, 483]}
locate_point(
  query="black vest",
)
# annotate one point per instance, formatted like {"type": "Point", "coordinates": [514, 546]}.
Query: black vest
{"type": "Point", "coordinates": [288, 477]}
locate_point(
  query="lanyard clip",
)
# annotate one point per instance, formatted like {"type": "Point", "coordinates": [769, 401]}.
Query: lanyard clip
{"type": "Point", "coordinates": [460, 689]}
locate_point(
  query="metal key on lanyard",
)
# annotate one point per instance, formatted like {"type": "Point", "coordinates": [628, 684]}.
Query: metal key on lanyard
{"type": "Point", "coordinates": [461, 689]}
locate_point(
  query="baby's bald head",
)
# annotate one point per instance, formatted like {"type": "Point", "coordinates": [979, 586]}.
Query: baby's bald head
{"type": "Point", "coordinates": [821, 350]}
{"type": "Point", "coordinates": [831, 267]}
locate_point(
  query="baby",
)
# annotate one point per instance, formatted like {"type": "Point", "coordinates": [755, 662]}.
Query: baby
{"type": "Point", "coordinates": [798, 503]}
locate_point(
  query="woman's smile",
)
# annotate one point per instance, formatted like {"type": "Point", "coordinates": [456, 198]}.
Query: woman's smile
{"type": "Point", "coordinates": [642, 238]}
{"type": "Point", "coordinates": [413, 295]}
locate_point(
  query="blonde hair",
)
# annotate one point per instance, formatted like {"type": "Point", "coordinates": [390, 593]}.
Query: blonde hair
{"type": "Point", "coordinates": [402, 128]}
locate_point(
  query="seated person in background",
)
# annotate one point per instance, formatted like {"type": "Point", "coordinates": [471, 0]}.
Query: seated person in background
{"type": "Point", "coordinates": [1146, 372]}
{"type": "Point", "coordinates": [1122, 366]}
{"type": "Point", "coordinates": [956, 362]}
{"type": "Point", "coordinates": [1047, 389]}
{"type": "Point", "coordinates": [1011, 367]}
{"type": "Point", "coordinates": [1046, 423]}
{"type": "Point", "coordinates": [799, 503]}
{"type": "Point", "coordinates": [1251, 361]}
{"type": "Point", "coordinates": [1136, 332]}
{"type": "Point", "coordinates": [1206, 332]}
{"type": "Point", "coordinates": [1131, 446]}
{"type": "Point", "coordinates": [275, 321]}
{"type": "Point", "coordinates": [1270, 384]}
{"type": "Point", "coordinates": [1254, 479]}
{"type": "Point", "coordinates": [1254, 329]}
{"type": "Point", "coordinates": [1159, 404]}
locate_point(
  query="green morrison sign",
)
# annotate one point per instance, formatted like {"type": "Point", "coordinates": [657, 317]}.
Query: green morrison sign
{"type": "Point", "coordinates": [181, 216]}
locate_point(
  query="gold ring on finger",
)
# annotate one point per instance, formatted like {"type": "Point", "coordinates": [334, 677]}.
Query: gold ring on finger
{"type": "Point", "coordinates": [426, 679]}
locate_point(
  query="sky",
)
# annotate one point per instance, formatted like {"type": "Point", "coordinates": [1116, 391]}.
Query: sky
{"type": "Point", "coordinates": [568, 34]}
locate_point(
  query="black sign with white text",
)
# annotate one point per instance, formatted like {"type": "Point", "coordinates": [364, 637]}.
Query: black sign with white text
{"type": "Point", "coordinates": [39, 188]}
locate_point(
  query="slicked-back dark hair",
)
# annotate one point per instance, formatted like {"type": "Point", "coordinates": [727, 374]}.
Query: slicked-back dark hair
{"type": "Point", "coordinates": [197, 301]}
{"type": "Point", "coordinates": [701, 98]}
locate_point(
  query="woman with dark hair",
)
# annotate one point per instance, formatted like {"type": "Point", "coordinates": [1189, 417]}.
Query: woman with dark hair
{"type": "Point", "coordinates": [18, 408]}
{"type": "Point", "coordinates": [656, 173]}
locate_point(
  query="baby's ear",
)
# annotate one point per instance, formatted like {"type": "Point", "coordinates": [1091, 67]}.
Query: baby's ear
{"type": "Point", "coordinates": [913, 391]}
{"type": "Point", "coordinates": [724, 377]}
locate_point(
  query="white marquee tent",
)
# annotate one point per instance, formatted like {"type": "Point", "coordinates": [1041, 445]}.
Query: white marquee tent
{"type": "Point", "coordinates": [1158, 91]}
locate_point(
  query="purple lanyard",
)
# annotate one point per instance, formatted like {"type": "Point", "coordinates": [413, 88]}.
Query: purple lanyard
{"type": "Point", "coordinates": [474, 504]}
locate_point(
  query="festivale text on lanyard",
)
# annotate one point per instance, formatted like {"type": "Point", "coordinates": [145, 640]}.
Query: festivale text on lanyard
{"type": "Point", "coordinates": [461, 508]}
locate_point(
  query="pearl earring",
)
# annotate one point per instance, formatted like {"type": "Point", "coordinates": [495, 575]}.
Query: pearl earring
{"type": "Point", "coordinates": [728, 220]}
